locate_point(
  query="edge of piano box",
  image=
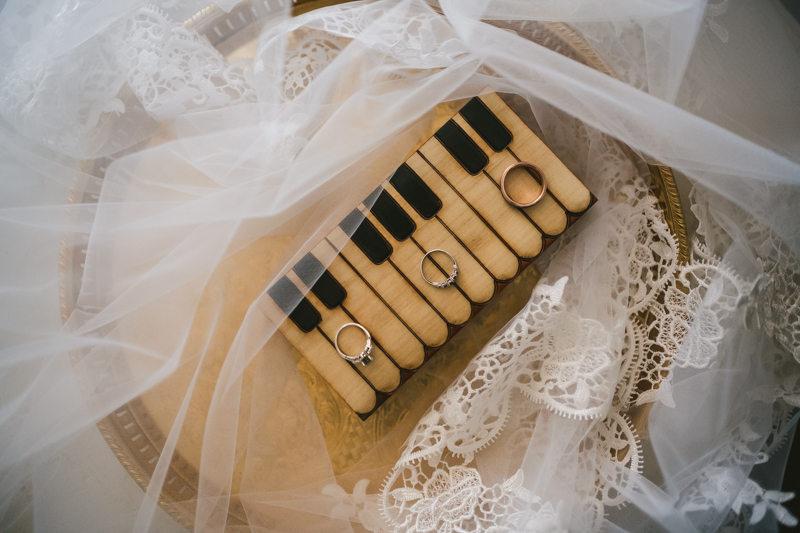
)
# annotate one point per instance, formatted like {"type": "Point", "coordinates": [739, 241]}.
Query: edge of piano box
{"type": "Point", "coordinates": [445, 195]}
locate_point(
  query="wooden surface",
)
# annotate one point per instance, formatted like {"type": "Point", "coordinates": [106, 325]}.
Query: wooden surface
{"type": "Point", "coordinates": [491, 240]}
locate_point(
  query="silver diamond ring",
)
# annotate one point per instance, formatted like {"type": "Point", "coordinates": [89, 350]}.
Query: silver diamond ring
{"type": "Point", "coordinates": [365, 356]}
{"type": "Point", "coordinates": [450, 279]}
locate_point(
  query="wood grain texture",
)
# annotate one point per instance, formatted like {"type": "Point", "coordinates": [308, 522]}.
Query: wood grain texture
{"type": "Point", "coordinates": [563, 184]}
{"type": "Point", "coordinates": [480, 192]}
{"type": "Point", "coordinates": [381, 373]}
{"type": "Point", "coordinates": [549, 217]}
{"type": "Point", "coordinates": [467, 226]}
{"type": "Point", "coordinates": [473, 279]}
{"type": "Point", "coordinates": [379, 267]}
{"type": "Point", "coordinates": [316, 348]}
{"type": "Point", "coordinates": [366, 308]}
{"type": "Point", "coordinates": [395, 290]}
{"type": "Point", "coordinates": [451, 304]}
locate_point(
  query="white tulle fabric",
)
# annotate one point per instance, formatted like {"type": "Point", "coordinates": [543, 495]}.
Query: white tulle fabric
{"type": "Point", "coordinates": [172, 70]}
{"type": "Point", "coordinates": [130, 140]}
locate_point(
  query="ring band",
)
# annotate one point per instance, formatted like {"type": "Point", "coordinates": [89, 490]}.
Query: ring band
{"type": "Point", "coordinates": [365, 356]}
{"type": "Point", "coordinates": [450, 279]}
{"type": "Point", "coordinates": [535, 171]}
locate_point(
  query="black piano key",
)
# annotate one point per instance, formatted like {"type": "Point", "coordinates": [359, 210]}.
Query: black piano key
{"type": "Point", "coordinates": [326, 288]}
{"type": "Point", "coordinates": [462, 147]}
{"type": "Point", "coordinates": [416, 192]}
{"type": "Point", "coordinates": [392, 217]}
{"type": "Point", "coordinates": [366, 237]}
{"type": "Point", "coordinates": [486, 124]}
{"type": "Point", "coordinates": [284, 293]}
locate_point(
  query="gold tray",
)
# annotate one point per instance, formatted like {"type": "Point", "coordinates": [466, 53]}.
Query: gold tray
{"type": "Point", "coordinates": [135, 431]}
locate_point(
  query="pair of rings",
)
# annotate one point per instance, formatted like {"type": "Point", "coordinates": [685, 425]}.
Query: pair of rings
{"type": "Point", "coordinates": [537, 173]}
{"type": "Point", "coordinates": [365, 357]}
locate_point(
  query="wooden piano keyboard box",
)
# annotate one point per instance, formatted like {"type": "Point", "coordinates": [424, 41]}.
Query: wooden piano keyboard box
{"type": "Point", "coordinates": [446, 196]}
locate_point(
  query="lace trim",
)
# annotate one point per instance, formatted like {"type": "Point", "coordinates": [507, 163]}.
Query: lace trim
{"type": "Point", "coordinates": [676, 318]}
{"type": "Point", "coordinates": [687, 323]}
{"type": "Point", "coordinates": [59, 101]}
{"type": "Point", "coordinates": [634, 352]}
{"type": "Point", "coordinates": [752, 495]}
{"type": "Point", "coordinates": [312, 53]}
{"type": "Point", "coordinates": [779, 305]}
{"type": "Point", "coordinates": [548, 354]}
{"type": "Point", "coordinates": [170, 69]}
{"type": "Point", "coordinates": [413, 34]}
{"type": "Point", "coordinates": [682, 323]}
{"type": "Point", "coordinates": [618, 448]}
{"type": "Point", "coordinates": [787, 379]}
{"type": "Point", "coordinates": [784, 418]}
{"type": "Point", "coordinates": [450, 499]}
{"type": "Point", "coordinates": [173, 70]}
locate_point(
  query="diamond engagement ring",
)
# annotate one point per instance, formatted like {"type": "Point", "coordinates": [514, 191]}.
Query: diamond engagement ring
{"type": "Point", "coordinates": [365, 356]}
{"type": "Point", "coordinates": [535, 172]}
{"type": "Point", "coordinates": [450, 279]}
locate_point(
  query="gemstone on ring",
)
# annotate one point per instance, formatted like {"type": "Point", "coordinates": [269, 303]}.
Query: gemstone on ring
{"type": "Point", "coordinates": [365, 357]}
{"type": "Point", "coordinates": [450, 279]}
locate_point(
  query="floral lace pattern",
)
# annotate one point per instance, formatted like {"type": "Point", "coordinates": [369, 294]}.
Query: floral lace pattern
{"type": "Point", "coordinates": [752, 495]}
{"type": "Point", "coordinates": [617, 446]}
{"type": "Point", "coordinates": [686, 324]}
{"type": "Point", "coordinates": [452, 499]}
{"type": "Point", "coordinates": [779, 305]}
{"type": "Point", "coordinates": [653, 259]}
{"type": "Point", "coordinates": [360, 506]}
{"type": "Point", "coordinates": [173, 70]}
{"type": "Point", "coordinates": [711, 305]}
{"type": "Point", "coordinates": [720, 489]}
{"type": "Point", "coordinates": [784, 418]}
{"type": "Point", "coordinates": [558, 363]}
{"type": "Point", "coordinates": [414, 34]}
{"type": "Point", "coordinates": [60, 100]}
{"type": "Point", "coordinates": [633, 357]}
{"type": "Point", "coordinates": [550, 355]}
{"type": "Point", "coordinates": [562, 362]}
{"type": "Point", "coordinates": [312, 53]}
{"type": "Point", "coordinates": [779, 298]}
{"type": "Point", "coordinates": [676, 317]}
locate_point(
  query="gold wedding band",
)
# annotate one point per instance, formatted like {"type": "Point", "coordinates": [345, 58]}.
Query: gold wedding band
{"type": "Point", "coordinates": [535, 171]}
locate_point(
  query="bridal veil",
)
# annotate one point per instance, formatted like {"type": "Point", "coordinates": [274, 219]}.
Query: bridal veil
{"type": "Point", "coordinates": [154, 186]}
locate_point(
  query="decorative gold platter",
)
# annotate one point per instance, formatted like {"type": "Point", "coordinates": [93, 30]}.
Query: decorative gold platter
{"type": "Point", "coordinates": [136, 431]}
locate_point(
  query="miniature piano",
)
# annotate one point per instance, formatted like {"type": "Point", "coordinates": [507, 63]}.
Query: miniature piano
{"type": "Point", "coordinates": [446, 196]}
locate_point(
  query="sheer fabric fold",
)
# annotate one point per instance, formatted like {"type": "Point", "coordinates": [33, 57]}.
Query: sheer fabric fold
{"type": "Point", "coordinates": [154, 185]}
